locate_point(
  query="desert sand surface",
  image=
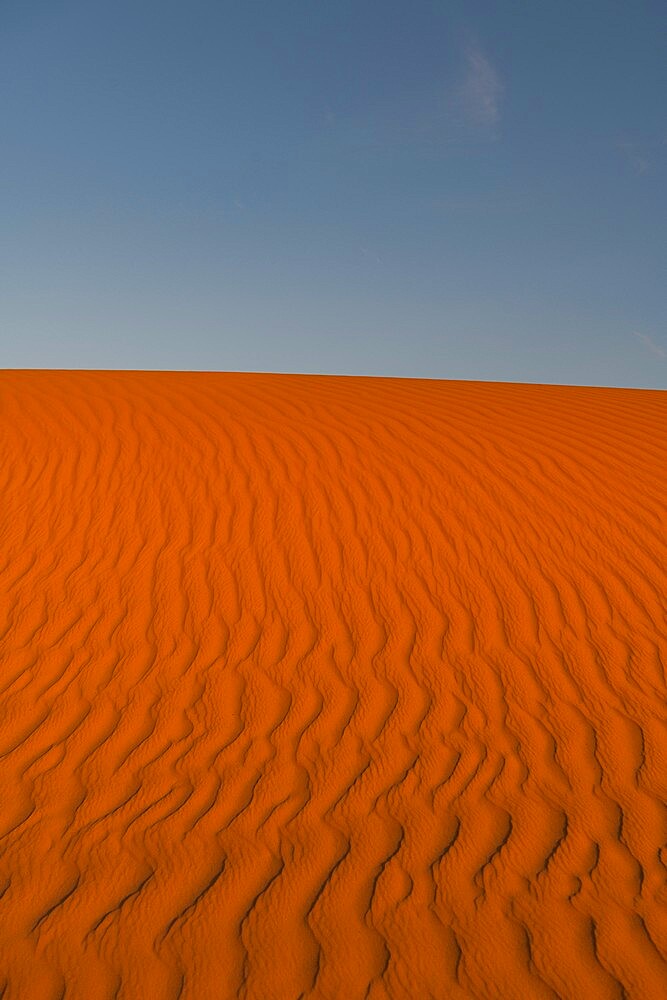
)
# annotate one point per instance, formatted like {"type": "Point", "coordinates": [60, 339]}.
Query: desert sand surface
{"type": "Point", "coordinates": [326, 687]}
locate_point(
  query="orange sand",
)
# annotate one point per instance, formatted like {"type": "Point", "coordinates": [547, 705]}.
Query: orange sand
{"type": "Point", "coordinates": [331, 688]}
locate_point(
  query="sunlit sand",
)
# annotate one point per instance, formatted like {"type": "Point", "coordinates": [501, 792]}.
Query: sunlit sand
{"type": "Point", "coordinates": [331, 687]}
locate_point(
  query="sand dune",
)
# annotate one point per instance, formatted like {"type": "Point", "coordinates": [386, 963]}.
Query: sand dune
{"type": "Point", "coordinates": [318, 687]}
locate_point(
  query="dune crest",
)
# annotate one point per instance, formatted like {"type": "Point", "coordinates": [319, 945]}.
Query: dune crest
{"type": "Point", "coordinates": [324, 687]}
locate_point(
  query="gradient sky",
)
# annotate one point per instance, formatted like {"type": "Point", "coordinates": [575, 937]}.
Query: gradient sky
{"type": "Point", "coordinates": [440, 189]}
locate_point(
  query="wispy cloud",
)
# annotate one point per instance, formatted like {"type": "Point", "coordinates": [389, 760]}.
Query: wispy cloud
{"type": "Point", "coordinates": [481, 91]}
{"type": "Point", "coordinates": [371, 255]}
{"type": "Point", "coordinates": [655, 349]}
{"type": "Point", "coordinates": [635, 156]}
{"type": "Point", "coordinates": [464, 109]}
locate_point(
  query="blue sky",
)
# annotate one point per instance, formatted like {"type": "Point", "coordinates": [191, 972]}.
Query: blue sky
{"type": "Point", "coordinates": [438, 189]}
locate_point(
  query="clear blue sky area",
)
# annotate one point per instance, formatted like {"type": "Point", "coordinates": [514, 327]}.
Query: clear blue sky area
{"type": "Point", "coordinates": [440, 189]}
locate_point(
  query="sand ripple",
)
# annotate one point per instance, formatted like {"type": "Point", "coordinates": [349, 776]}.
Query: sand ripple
{"type": "Point", "coordinates": [317, 687]}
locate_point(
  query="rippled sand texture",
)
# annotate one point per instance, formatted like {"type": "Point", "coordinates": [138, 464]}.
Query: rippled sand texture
{"type": "Point", "coordinates": [331, 687]}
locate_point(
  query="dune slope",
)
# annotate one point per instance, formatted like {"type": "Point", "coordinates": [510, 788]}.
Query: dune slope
{"type": "Point", "coordinates": [322, 687]}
